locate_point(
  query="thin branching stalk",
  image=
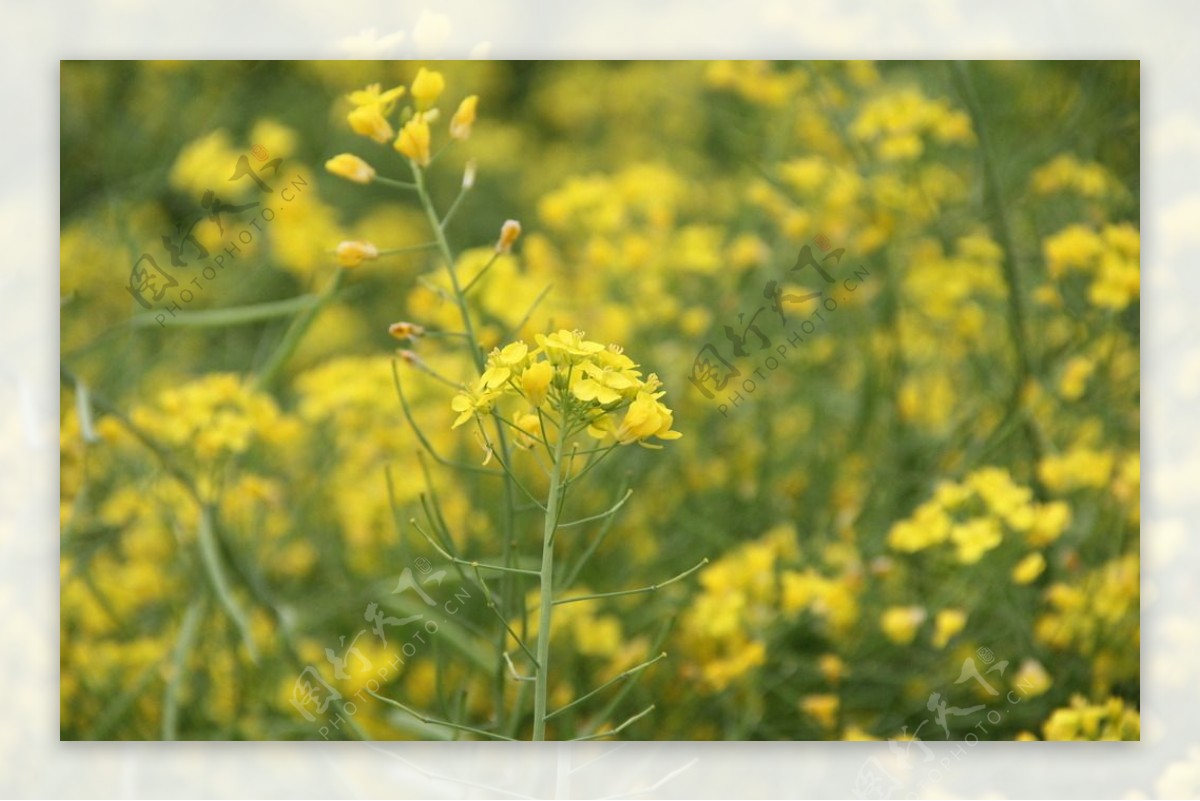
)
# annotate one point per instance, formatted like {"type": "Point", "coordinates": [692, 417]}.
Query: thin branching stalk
{"type": "Point", "coordinates": [295, 332]}
{"type": "Point", "coordinates": [553, 504]}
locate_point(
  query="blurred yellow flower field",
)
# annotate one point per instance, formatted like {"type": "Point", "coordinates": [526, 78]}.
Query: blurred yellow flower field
{"type": "Point", "coordinates": [578, 400]}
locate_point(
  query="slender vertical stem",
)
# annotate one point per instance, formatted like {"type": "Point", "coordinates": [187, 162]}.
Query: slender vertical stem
{"type": "Point", "coordinates": [295, 332]}
{"type": "Point", "coordinates": [438, 227]}
{"type": "Point", "coordinates": [179, 657]}
{"type": "Point", "coordinates": [211, 557]}
{"type": "Point", "coordinates": [997, 209]}
{"type": "Point", "coordinates": [546, 604]}
{"type": "Point", "coordinates": [444, 247]}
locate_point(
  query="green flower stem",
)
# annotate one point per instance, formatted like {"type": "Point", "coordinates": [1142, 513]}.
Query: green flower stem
{"type": "Point", "coordinates": [507, 587]}
{"type": "Point", "coordinates": [434, 721]}
{"type": "Point", "coordinates": [295, 332]}
{"type": "Point", "coordinates": [593, 546]}
{"type": "Point", "coordinates": [183, 648]}
{"type": "Point", "coordinates": [235, 316]}
{"type": "Point", "coordinates": [612, 510]}
{"type": "Point", "coordinates": [444, 247]}
{"type": "Point", "coordinates": [546, 602]}
{"type": "Point", "coordinates": [997, 207]}
{"type": "Point", "coordinates": [491, 604]}
{"type": "Point", "coordinates": [211, 557]}
{"type": "Point", "coordinates": [614, 732]}
{"type": "Point", "coordinates": [639, 590]}
{"type": "Point", "coordinates": [481, 273]}
{"type": "Point", "coordinates": [619, 677]}
{"type": "Point", "coordinates": [393, 182]}
{"type": "Point", "coordinates": [468, 562]}
{"type": "Point", "coordinates": [454, 206]}
{"type": "Point", "coordinates": [408, 249]}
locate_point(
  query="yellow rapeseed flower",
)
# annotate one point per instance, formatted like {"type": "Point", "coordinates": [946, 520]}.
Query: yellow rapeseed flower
{"type": "Point", "coordinates": [583, 382]}
{"type": "Point", "coordinates": [464, 118]}
{"type": "Point", "coordinates": [351, 167]}
{"type": "Point", "coordinates": [427, 88]}
{"type": "Point", "coordinates": [536, 381]}
{"type": "Point", "coordinates": [413, 141]}
{"type": "Point", "coordinates": [369, 121]}
{"type": "Point", "coordinates": [372, 96]}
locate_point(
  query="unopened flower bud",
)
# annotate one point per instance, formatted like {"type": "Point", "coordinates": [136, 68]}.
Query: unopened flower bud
{"type": "Point", "coordinates": [508, 234]}
{"type": "Point", "coordinates": [406, 330]}
{"type": "Point", "coordinates": [427, 88]}
{"type": "Point", "coordinates": [469, 175]}
{"type": "Point", "coordinates": [464, 118]}
{"type": "Point", "coordinates": [352, 254]}
{"type": "Point", "coordinates": [351, 167]}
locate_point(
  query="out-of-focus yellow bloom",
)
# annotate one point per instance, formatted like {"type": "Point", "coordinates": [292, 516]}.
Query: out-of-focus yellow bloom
{"type": "Point", "coordinates": [1109, 258]}
{"type": "Point", "coordinates": [946, 624]}
{"type": "Point", "coordinates": [832, 667]}
{"type": "Point", "coordinates": [755, 81]}
{"type": "Point", "coordinates": [1031, 679]}
{"type": "Point", "coordinates": [900, 623]}
{"type": "Point", "coordinates": [1068, 173]}
{"type": "Point", "coordinates": [508, 235]}
{"type": "Point", "coordinates": [1075, 377]}
{"type": "Point", "coordinates": [1076, 468]}
{"type": "Point", "coordinates": [205, 162]}
{"type": "Point", "coordinates": [1003, 496]}
{"type": "Point", "coordinates": [928, 526]}
{"type": "Point", "coordinates": [373, 96]}
{"type": "Point", "coordinates": [1106, 599]}
{"type": "Point", "coordinates": [351, 254]}
{"type": "Point", "coordinates": [413, 141]}
{"type": "Point", "coordinates": [821, 707]}
{"type": "Point", "coordinates": [214, 417]}
{"type": "Point", "coordinates": [718, 673]}
{"type": "Point", "coordinates": [369, 121]}
{"type": "Point", "coordinates": [1112, 720]}
{"type": "Point", "coordinates": [856, 734]}
{"type": "Point", "coordinates": [351, 167]}
{"type": "Point", "coordinates": [464, 118]}
{"type": "Point", "coordinates": [427, 88]}
{"type": "Point", "coordinates": [976, 537]}
{"type": "Point", "coordinates": [1050, 521]}
{"type": "Point", "coordinates": [1029, 568]}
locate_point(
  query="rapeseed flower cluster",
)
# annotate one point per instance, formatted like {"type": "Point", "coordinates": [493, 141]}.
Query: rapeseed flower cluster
{"type": "Point", "coordinates": [578, 383]}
